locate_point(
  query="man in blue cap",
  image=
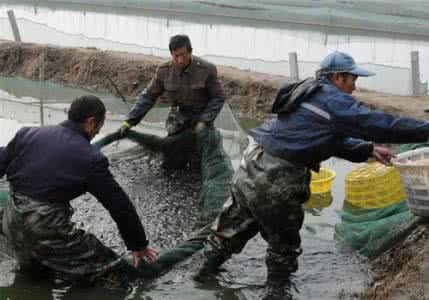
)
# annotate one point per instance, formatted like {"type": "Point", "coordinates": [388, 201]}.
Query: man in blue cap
{"type": "Point", "coordinates": [316, 119]}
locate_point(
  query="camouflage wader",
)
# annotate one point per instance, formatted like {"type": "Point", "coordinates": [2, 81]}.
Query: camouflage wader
{"type": "Point", "coordinates": [181, 147]}
{"type": "Point", "coordinates": [267, 197]}
{"type": "Point", "coordinates": [42, 236]}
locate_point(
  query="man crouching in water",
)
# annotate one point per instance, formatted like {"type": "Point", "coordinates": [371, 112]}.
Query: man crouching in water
{"type": "Point", "coordinates": [47, 167]}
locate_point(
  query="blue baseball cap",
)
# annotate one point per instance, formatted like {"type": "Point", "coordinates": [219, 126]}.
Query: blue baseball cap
{"type": "Point", "coordinates": [339, 62]}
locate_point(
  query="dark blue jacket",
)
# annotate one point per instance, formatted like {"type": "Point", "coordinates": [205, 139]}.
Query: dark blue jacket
{"type": "Point", "coordinates": [333, 123]}
{"type": "Point", "coordinates": [58, 163]}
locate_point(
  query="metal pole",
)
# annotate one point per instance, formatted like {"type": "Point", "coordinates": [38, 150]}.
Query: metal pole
{"type": "Point", "coordinates": [42, 89]}
{"type": "Point", "coordinates": [14, 25]}
{"type": "Point", "coordinates": [293, 66]}
{"type": "Point", "coordinates": [415, 73]}
{"type": "Point", "coordinates": [424, 89]}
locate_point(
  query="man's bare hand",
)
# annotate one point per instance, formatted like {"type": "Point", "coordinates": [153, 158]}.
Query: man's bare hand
{"type": "Point", "coordinates": [149, 253]}
{"type": "Point", "coordinates": [383, 155]}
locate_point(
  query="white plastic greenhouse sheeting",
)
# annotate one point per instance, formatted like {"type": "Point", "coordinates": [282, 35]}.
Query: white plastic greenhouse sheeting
{"type": "Point", "coordinates": [262, 48]}
{"type": "Point", "coordinates": [408, 16]}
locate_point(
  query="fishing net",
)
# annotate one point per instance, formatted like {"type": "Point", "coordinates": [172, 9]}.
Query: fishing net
{"type": "Point", "coordinates": [408, 147]}
{"type": "Point", "coordinates": [216, 148]}
{"type": "Point", "coordinates": [216, 168]}
{"type": "Point", "coordinates": [373, 231]}
{"type": "Point", "coordinates": [170, 257]}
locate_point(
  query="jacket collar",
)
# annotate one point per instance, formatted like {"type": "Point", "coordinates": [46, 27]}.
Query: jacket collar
{"type": "Point", "coordinates": [191, 65]}
{"type": "Point", "coordinates": [188, 68]}
{"type": "Point", "coordinates": [75, 127]}
{"type": "Point", "coordinates": [324, 79]}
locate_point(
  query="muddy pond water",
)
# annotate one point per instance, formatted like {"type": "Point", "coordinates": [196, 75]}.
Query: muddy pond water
{"type": "Point", "coordinates": [167, 205]}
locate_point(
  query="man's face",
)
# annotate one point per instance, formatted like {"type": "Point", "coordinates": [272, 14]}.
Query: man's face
{"type": "Point", "coordinates": [92, 127]}
{"type": "Point", "coordinates": [346, 82]}
{"type": "Point", "coordinates": [181, 57]}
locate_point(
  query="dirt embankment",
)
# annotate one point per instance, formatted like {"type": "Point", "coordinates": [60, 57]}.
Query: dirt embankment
{"type": "Point", "coordinates": [250, 93]}
{"type": "Point", "coordinates": [88, 68]}
{"type": "Point", "coordinates": [401, 273]}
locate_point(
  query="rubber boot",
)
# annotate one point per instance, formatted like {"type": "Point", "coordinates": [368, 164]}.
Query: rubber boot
{"type": "Point", "coordinates": [279, 269]}
{"type": "Point", "coordinates": [277, 292]}
{"type": "Point", "coordinates": [120, 276]}
{"type": "Point", "coordinates": [210, 260]}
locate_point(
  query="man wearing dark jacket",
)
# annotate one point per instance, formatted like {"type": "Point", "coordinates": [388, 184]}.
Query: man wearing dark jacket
{"type": "Point", "coordinates": [316, 119]}
{"type": "Point", "coordinates": [47, 167]}
{"type": "Point", "coordinates": [193, 89]}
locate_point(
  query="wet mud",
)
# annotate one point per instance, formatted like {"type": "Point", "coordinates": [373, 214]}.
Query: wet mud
{"type": "Point", "coordinates": [403, 271]}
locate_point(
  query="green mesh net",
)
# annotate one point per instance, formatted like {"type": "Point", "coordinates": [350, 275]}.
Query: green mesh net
{"type": "Point", "coordinates": [372, 231]}
{"type": "Point", "coordinates": [215, 165]}
{"type": "Point", "coordinates": [3, 197]}
{"type": "Point", "coordinates": [218, 148]}
{"type": "Point", "coordinates": [4, 191]}
{"type": "Point", "coordinates": [408, 147]}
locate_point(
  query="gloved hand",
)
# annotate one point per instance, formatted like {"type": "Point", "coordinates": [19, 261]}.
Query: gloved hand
{"type": "Point", "coordinates": [124, 129]}
{"type": "Point", "coordinates": [199, 126]}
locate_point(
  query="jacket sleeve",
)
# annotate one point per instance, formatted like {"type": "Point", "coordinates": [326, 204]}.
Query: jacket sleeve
{"type": "Point", "coordinates": [216, 97]}
{"type": "Point", "coordinates": [104, 187]}
{"type": "Point", "coordinates": [7, 154]}
{"type": "Point", "coordinates": [353, 119]}
{"type": "Point", "coordinates": [146, 99]}
{"type": "Point", "coordinates": [355, 150]}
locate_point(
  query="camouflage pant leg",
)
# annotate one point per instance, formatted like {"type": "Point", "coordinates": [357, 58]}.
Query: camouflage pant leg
{"type": "Point", "coordinates": [42, 233]}
{"type": "Point", "coordinates": [268, 193]}
{"type": "Point", "coordinates": [280, 193]}
{"type": "Point", "coordinates": [235, 225]}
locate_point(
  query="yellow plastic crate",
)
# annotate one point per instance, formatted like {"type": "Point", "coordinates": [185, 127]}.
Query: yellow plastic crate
{"type": "Point", "coordinates": [322, 182]}
{"type": "Point", "coordinates": [320, 187]}
{"type": "Point", "coordinates": [374, 186]}
{"type": "Point", "coordinates": [319, 200]}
